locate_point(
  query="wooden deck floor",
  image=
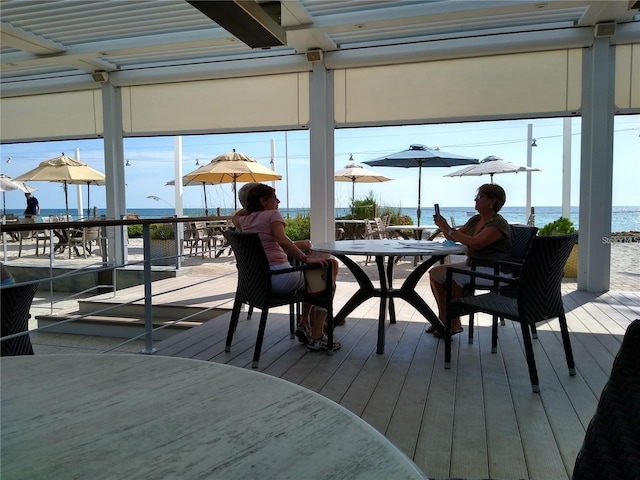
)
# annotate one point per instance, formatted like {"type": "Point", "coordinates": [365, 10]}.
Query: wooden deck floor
{"type": "Point", "coordinates": [478, 420]}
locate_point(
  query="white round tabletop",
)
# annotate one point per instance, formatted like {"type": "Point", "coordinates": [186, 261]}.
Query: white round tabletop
{"type": "Point", "coordinates": [387, 247]}
{"type": "Point", "coordinates": [149, 417]}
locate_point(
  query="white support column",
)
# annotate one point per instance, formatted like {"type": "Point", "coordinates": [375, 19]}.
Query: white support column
{"type": "Point", "coordinates": [321, 155]}
{"type": "Point", "coordinates": [114, 166]}
{"type": "Point", "coordinates": [566, 168]}
{"type": "Point", "coordinates": [527, 212]}
{"type": "Point", "coordinates": [596, 166]}
{"type": "Point", "coordinates": [177, 172]}
{"type": "Point", "coordinates": [179, 196]}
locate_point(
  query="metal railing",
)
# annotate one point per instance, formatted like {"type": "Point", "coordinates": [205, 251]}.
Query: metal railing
{"type": "Point", "coordinates": [109, 264]}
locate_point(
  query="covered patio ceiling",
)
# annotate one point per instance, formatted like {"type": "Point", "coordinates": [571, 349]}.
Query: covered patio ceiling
{"type": "Point", "coordinates": [57, 46]}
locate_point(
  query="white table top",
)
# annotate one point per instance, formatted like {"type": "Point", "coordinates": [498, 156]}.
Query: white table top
{"type": "Point", "coordinates": [387, 247]}
{"type": "Point", "coordinates": [138, 416]}
{"type": "Point", "coordinates": [351, 221]}
{"type": "Point", "coordinates": [412, 227]}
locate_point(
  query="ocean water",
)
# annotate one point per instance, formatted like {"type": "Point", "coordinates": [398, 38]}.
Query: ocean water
{"type": "Point", "coordinates": [623, 219]}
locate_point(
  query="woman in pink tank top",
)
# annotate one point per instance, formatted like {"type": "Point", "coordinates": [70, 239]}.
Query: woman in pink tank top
{"type": "Point", "coordinates": [260, 215]}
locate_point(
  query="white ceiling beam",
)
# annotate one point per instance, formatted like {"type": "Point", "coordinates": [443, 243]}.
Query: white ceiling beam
{"type": "Point", "coordinates": [92, 52]}
{"type": "Point", "coordinates": [19, 39]}
{"type": "Point", "coordinates": [461, 48]}
{"type": "Point", "coordinates": [445, 13]}
{"type": "Point", "coordinates": [612, 10]}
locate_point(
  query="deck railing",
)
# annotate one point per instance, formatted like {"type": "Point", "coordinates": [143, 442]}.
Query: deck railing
{"type": "Point", "coordinates": [113, 246]}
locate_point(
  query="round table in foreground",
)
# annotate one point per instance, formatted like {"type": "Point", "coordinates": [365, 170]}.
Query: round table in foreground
{"type": "Point", "coordinates": [137, 416]}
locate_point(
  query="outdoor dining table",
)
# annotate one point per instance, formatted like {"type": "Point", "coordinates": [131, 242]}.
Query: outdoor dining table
{"type": "Point", "coordinates": [418, 230]}
{"type": "Point", "coordinates": [141, 416]}
{"type": "Point", "coordinates": [353, 225]}
{"type": "Point", "coordinates": [386, 251]}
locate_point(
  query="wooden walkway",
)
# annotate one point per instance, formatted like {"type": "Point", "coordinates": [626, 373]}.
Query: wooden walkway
{"type": "Point", "coordinates": [478, 420]}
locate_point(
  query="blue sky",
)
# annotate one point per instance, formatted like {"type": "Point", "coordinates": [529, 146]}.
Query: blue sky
{"type": "Point", "coordinates": [152, 164]}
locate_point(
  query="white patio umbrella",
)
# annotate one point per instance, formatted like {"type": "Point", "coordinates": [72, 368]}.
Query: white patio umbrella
{"type": "Point", "coordinates": [65, 170]}
{"type": "Point", "coordinates": [490, 166]}
{"type": "Point", "coordinates": [9, 185]}
{"type": "Point", "coordinates": [356, 173]}
{"type": "Point", "coordinates": [232, 167]}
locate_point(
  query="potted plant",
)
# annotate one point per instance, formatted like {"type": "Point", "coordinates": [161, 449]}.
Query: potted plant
{"type": "Point", "coordinates": [163, 244]}
{"type": "Point", "coordinates": [563, 226]}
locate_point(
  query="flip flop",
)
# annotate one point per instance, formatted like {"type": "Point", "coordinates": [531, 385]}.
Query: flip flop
{"type": "Point", "coordinates": [437, 334]}
{"type": "Point", "coordinates": [431, 329]}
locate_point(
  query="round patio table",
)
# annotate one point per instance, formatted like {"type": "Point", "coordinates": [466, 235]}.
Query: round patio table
{"type": "Point", "coordinates": [148, 417]}
{"type": "Point", "coordinates": [388, 250]}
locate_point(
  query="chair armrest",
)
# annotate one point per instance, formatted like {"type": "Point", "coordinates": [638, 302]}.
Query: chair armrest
{"type": "Point", "coordinates": [297, 268]}
{"type": "Point", "coordinates": [473, 274]}
{"type": "Point", "coordinates": [510, 262]}
{"type": "Point", "coordinates": [515, 263]}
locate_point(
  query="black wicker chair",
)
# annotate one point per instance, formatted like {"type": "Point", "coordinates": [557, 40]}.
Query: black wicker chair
{"type": "Point", "coordinates": [254, 289]}
{"type": "Point", "coordinates": [538, 298]}
{"type": "Point", "coordinates": [611, 448]}
{"type": "Point", "coordinates": [521, 238]}
{"type": "Point", "coordinates": [14, 318]}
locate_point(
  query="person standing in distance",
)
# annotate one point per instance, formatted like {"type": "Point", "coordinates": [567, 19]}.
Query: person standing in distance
{"type": "Point", "coordinates": [33, 206]}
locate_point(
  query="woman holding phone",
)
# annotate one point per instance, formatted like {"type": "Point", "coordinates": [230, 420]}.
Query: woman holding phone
{"type": "Point", "coordinates": [486, 236]}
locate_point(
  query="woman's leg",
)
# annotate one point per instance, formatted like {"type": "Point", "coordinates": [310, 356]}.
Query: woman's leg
{"type": "Point", "coordinates": [319, 317]}
{"type": "Point", "coordinates": [437, 276]}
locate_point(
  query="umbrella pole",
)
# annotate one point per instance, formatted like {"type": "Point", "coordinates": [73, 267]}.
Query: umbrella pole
{"type": "Point", "coordinates": [235, 196]}
{"type": "Point", "coordinates": [353, 199]}
{"type": "Point", "coordinates": [66, 200]}
{"type": "Point", "coordinates": [88, 202]}
{"type": "Point", "coordinates": [206, 209]}
{"type": "Point", "coordinates": [4, 206]}
{"type": "Point", "coordinates": [491, 178]}
{"type": "Point", "coordinates": [419, 189]}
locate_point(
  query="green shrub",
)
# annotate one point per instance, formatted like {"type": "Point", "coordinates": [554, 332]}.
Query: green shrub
{"type": "Point", "coordinates": [561, 226]}
{"type": "Point", "coordinates": [366, 207]}
{"type": "Point", "coordinates": [298, 228]}
{"type": "Point", "coordinates": [162, 231]}
{"type": "Point", "coordinates": [396, 216]}
{"type": "Point", "coordinates": [134, 231]}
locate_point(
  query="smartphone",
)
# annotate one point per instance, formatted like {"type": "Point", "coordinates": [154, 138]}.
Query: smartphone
{"type": "Point", "coordinates": [436, 207]}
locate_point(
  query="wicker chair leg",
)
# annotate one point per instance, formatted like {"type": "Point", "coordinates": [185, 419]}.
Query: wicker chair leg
{"type": "Point", "coordinates": [261, 329]}
{"type": "Point", "coordinates": [233, 323]}
{"type": "Point", "coordinates": [292, 320]}
{"type": "Point", "coordinates": [531, 360]}
{"type": "Point", "coordinates": [568, 352]}
{"type": "Point", "coordinates": [494, 334]}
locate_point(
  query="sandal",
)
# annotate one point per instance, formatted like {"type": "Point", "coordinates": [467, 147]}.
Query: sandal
{"type": "Point", "coordinates": [437, 334]}
{"type": "Point", "coordinates": [317, 344]}
{"type": "Point", "coordinates": [302, 333]}
{"type": "Point", "coordinates": [431, 329]}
